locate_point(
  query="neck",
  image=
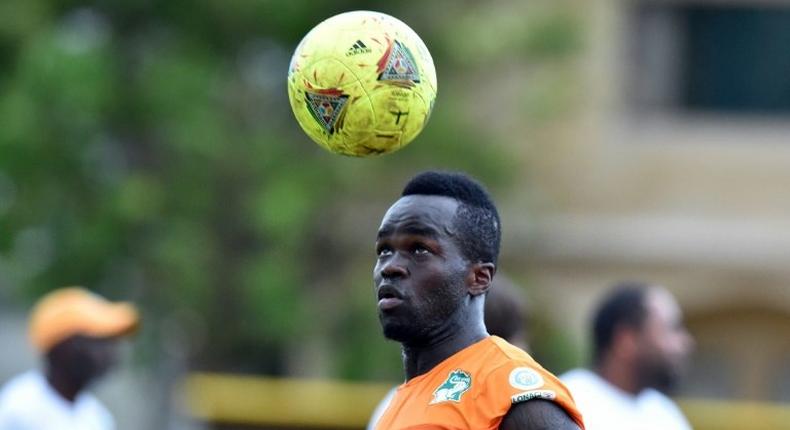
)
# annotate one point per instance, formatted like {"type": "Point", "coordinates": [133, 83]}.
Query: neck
{"type": "Point", "coordinates": [421, 358]}
{"type": "Point", "coordinates": [621, 375]}
{"type": "Point", "coordinates": [66, 388]}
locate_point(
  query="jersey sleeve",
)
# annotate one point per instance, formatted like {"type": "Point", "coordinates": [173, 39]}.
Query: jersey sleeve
{"type": "Point", "coordinates": [522, 381]}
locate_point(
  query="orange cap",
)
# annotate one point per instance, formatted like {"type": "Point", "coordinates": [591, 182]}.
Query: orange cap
{"type": "Point", "coordinates": [71, 311]}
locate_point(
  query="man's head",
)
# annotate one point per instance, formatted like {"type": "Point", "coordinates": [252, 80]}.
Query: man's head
{"type": "Point", "coordinates": [506, 312]}
{"type": "Point", "coordinates": [76, 330]}
{"type": "Point", "coordinates": [437, 248]}
{"type": "Point", "coordinates": [640, 327]}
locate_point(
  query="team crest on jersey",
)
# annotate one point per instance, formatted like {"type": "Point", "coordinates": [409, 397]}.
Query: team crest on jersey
{"type": "Point", "coordinates": [326, 107]}
{"type": "Point", "coordinates": [451, 390]}
{"type": "Point", "coordinates": [397, 64]}
{"type": "Point", "coordinates": [524, 378]}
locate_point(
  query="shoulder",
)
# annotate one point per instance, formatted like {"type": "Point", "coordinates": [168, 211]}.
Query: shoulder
{"type": "Point", "coordinates": [499, 354]}
{"type": "Point", "coordinates": [596, 398]}
{"type": "Point", "coordinates": [515, 368]}
{"type": "Point", "coordinates": [579, 377]}
{"type": "Point", "coordinates": [21, 389]}
{"type": "Point", "coordinates": [91, 406]}
{"type": "Point", "coordinates": [507, 365]}
{"type": "Point", "coordinates": [505, 350]}
{"type": "Point", "coordinates": [18, 395]}
{"type": "Point", "coordinates": [583, 381]}
{"type": "Point", "coordinates": [662, 406]}
{"type": "Point", "coordinates": [514, 378]}
{"type": "Point", "coordinates": [656, 398]}
{"type": "Point", "coordinates": [538, 415]}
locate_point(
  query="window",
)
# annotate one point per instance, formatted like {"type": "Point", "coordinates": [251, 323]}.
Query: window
{"type": "Point", "coordinates": [712, 58]}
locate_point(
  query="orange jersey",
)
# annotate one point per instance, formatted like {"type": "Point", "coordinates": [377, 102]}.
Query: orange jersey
{"type": "Point", "coordinates": [474, 389]}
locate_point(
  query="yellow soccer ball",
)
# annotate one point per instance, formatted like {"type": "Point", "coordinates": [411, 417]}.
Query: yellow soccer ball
{"type": "Point", "coordinates": [362, 83]}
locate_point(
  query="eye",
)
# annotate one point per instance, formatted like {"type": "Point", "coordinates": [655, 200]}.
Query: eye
{"type": "Point", "coordinates": [420, 250]}
{"type": "Point", "coordinates": [383, 251]}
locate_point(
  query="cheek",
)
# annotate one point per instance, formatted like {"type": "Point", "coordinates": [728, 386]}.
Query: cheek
{"type": "Point", "coordinates": [98, 359]}
{"type": "Point", "coordinates": [680, 343]}
{"type": "Point", "coordinates": [441, 277]}
{"type": "Point", "coordinates": [652, 346]}
{"type": "Point", "coordinates": [376, 266]}
{"type": "Point", "coordinates": [447, 289]}
{"type": "Point", "coordinates": [670, 345]}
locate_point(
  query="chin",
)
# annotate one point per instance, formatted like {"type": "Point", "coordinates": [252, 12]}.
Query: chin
{"type": "Point", "coordinates": [398, 331]}
{"type": "Point", "coordinates": [394, 332]}
{"type": "Point", "coordinates": [666, 382]}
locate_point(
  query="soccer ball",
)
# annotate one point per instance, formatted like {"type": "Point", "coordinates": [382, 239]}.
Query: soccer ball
{"type": "Point", "coordinates": [362, 83]}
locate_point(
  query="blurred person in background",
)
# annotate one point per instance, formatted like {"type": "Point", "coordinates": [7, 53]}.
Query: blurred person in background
{"type": "Point", "coordinates": [505, 315]}
{"type": "Point", "coordinates": [75, 332]}
{"type": "Point", "coordinates": [641, 349]}
{"type": "Point", "coordinates": [437, 248]}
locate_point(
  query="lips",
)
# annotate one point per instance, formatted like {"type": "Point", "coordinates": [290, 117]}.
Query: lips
{"type": "Point", "coordinates": [387, 304]}
{"type": "Point", "coordinates": [389, 298]}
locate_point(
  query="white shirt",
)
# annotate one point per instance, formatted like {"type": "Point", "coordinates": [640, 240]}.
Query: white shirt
{"type": "Point", "coordinates": [28, 402]}
{"type": "Point", "coordinates": [380, 409]}
{"type": "Point", "coordinates": [606, 407]}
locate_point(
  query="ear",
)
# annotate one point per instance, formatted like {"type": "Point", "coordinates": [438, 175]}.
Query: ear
{"type": "Point", "coordinates": [480, 278]}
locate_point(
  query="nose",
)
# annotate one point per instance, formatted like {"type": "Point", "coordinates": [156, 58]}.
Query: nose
{"type": "Point", "coordinates": [394, 267]}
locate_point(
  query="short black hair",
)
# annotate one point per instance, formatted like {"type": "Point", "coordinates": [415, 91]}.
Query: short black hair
{"type": "Point", "coordinates": [476, 218]}
{"type": "Point", "coordinates": [624, 305]}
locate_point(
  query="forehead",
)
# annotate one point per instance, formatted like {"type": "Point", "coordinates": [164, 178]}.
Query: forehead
{"type": "Point", "coordinates": [417, 212]}
{"type": "Point", "coordinates": [662, 305]}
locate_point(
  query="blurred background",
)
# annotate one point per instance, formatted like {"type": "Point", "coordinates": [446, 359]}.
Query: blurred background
{"type": "Point", "coordinates": [148, 152]}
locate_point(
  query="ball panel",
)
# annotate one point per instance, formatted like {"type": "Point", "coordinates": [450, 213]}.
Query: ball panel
{"type": "Point", "coordinates": [326, 73]}
{"type": "Point", "coordinates": [421, 109]}
{"type": "Point", "coordinates": [396, 108]}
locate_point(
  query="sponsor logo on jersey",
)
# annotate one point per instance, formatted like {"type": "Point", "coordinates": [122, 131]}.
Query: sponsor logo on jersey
{"type": "Point", "coordinates": [534, 394]}
{"type": "Point", "coordinates": [524, 378]}
{"type": "Point", "coordinates": [451, 390]}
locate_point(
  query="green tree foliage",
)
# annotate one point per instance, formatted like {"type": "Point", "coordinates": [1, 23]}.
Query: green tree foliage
{"type": "Point", "coordinates": [147, 150]}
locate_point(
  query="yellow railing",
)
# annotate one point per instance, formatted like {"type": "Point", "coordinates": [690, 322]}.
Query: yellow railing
{"type": "Point", "coordinates": [336, 404]}
{"type": "Point", "coordinates": [730, 415]}
{"type": "Point", "coordinates": [282, 402]}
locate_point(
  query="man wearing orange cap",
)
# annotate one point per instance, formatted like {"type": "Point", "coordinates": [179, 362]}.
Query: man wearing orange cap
{"type": "Point", "coordinates": [75, 332]}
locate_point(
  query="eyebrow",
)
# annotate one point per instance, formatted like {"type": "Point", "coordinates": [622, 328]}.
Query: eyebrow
{"type": "Point", "coordinates": [409, 229]}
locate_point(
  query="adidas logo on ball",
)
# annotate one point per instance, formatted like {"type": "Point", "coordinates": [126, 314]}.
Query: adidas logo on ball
{"type": "Point", "coordinates": [358, 48]}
